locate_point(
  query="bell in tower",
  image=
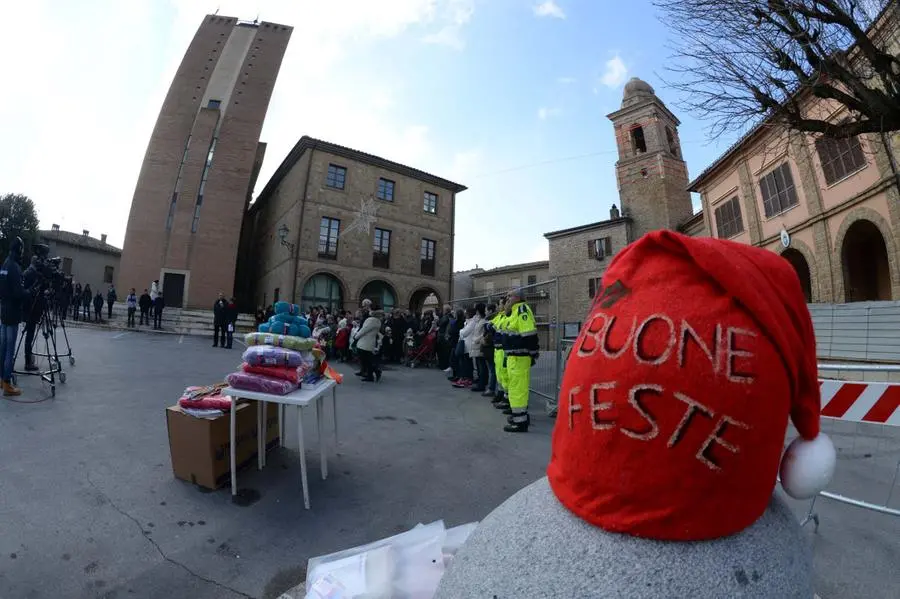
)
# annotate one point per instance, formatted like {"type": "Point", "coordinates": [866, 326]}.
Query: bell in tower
{"type": "Point", "coordinates": [651, 174]}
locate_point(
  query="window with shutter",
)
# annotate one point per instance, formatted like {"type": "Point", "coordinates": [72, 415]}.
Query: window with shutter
{"type": "Point", "coordinates": [600, 248]}
{"type": "Point", "coordinates": [728, 218]}
{"type": "Point", "coordinates": [840, 158]}
{"type": "Point", "coordinates": [777, 190]}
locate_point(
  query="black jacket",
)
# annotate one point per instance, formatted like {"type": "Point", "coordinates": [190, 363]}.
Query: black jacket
{"type": "Point", "coordinates": [145, 302]}
{"type": "Point", "coordinates": [231, 313]}
{"type": "Point", "coordinates": [12, 292]}
{"type": "Point", "coordinates": [220, 311]}
{"type": "Point", "coordinates": [443, 323]}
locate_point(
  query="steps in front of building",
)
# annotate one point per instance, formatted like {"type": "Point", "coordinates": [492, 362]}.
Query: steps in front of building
{"type": "Point", "coordinates": [179, 321]}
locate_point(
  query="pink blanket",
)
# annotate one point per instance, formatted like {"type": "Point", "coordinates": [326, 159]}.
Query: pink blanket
{"type": "Point", "coordinates": [267, 355]}
{"type": "Point", "coordinates": [212, 402]}
{"type": "Point", "coordinates": [249, 381]}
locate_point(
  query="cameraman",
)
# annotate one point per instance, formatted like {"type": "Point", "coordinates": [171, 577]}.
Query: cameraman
{"type": "Point", "coordinates": [34, 302]}
{"type": "Point", "coordinates": [12, 293]}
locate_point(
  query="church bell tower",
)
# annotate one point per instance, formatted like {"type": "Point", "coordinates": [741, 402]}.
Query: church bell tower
{"type": "Point", "coordinates": [651, 173]}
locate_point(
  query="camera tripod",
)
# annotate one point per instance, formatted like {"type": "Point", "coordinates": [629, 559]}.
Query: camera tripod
{"type": "Point", "coordinates": [46, 326]}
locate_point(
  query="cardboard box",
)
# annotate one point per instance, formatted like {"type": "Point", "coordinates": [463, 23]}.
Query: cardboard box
{"type": "Point", "coordinates": [200, 448]}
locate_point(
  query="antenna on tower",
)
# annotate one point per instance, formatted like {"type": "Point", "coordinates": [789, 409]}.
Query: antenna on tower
{"type": "Point", "coordinates": [217, 11]}
{"type": "Point", "coordinates": [256, 20]}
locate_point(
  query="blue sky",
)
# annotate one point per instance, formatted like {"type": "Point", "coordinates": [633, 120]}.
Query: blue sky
{"type": "Point", "coordinates": [508, 97]}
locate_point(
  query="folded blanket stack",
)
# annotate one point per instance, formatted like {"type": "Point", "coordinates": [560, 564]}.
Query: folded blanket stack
{"type": "Point", "coordinates": [205, 402]}
{"type": "Point", "coordinates": [272, 368]}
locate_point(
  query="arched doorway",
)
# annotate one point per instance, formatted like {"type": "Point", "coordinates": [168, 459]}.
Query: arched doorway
{"type": "Point", "coordinates": [801, 267]}
{"type": "Point", "coordinates": [424, 298]}
{"type": "Point", "coordinates": [867, 274]}
{"type": "Point", "coordinates": [324, 290]}
{"type": "Point", "coordinates": [381, 293]}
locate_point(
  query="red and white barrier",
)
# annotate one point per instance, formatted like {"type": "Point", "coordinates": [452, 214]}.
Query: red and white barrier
{"type": "Point", "coordinates": [878, 403]}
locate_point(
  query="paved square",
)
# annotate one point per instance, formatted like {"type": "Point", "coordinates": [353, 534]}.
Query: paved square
{"type": "Point", "coordinates": [89, 506]}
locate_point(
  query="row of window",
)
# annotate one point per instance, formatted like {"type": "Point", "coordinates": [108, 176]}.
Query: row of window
{"type": "Point", "coordinates": [839, 158]}
{"type": "Point", "coordinates": [329, 229]}
{"type": "Point", "coordinates": [336, 178]}
{"type": "Point", "coordinates": [513, 283]}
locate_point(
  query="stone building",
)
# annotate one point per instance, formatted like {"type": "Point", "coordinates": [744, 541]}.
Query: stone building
{"type": "Point", "coordinates": [463, 285]}
{"type": "Point", "coordinates": [652, 179]}
{"type": "Point", "coordinates": [202, 162]}
{"type": "Point", "coordinates": [497, 281]}
{"type": "Point", "coordinates": [334, 226]}
{"type": "Point", "coordinates": [89, 260]}
{"type": "Point", "coordinates": [578, 257]}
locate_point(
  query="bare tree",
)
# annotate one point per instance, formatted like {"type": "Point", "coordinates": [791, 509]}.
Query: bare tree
{"type": "Point", "coordinates": [739, 62]}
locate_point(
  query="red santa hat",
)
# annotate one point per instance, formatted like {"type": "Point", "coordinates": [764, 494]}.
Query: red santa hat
{"type": "Point", "coordinates": [676, 396]}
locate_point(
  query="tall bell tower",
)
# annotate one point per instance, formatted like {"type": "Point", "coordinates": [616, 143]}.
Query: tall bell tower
{"type": "Point", "coordinates": [651, 173]}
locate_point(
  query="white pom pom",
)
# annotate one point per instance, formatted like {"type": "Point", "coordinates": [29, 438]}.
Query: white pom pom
{"type": "Point", "coordinates": [807, 466]}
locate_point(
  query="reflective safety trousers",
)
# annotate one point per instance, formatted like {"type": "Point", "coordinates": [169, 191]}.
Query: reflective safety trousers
{"type": "Point", "coordinates": [499, 321]}
{"type": "Point", "coordinates": [521, 347]}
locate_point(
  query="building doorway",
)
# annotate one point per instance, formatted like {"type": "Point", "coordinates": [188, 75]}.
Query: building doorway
{"type": "Point", "coordinates": [380, 293]}
{"type": "Point", "coordinates": [801, 267]}
{"type": "Point", "coordinates": [867, 274]}
{"type": "Point", "coordinates": [173, 290]}
{"type": "Point", "coordinates": [423, 299]}
{"type": "Point", "coordinates": [323, 290]}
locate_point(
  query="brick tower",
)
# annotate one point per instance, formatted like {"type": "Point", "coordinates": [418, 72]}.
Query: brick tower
{"type": "Point", "coordinates": [201, 163]}
{"type": "Point", "coordinates": [652, 176]}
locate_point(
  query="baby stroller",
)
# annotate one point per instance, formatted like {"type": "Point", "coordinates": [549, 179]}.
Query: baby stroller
{"type": "Point", "coordinates": [425, 354]}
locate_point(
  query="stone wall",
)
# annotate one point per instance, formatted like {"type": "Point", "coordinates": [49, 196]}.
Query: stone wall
{"type": "Point", "coordinates": [500, 280]}
{"type": "Point", "coordinates": [570, 262]}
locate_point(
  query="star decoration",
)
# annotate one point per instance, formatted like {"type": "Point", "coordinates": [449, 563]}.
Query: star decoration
{"type": "Point", "coordinates": [366, 218]}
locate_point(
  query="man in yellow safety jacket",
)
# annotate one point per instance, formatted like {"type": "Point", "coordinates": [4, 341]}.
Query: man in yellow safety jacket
{"type": "Point", "coordinates": [498, 322]}
{"type": "Point", "coordinates": [521, 351]}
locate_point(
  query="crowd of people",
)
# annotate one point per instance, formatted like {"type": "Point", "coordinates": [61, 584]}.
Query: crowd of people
{"type": "Point", "coordinates": [76, 302]}
{"type": "Point", "coordinates": [484, 348]}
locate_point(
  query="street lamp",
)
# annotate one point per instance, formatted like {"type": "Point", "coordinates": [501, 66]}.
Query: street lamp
{"type": "Point", "coordinates": [282, 235]}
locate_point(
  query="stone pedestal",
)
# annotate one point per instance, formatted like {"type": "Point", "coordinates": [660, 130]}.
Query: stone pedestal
{"type": "Point", "coordinates": [531, 546]}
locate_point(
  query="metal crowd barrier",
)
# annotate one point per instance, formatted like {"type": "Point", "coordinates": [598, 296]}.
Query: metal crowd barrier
{"type": "Point", "coordinates": [863, 420]}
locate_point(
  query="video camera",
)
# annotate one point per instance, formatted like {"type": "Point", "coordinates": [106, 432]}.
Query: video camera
{"type": "Point", "coordinates": [47, 272]}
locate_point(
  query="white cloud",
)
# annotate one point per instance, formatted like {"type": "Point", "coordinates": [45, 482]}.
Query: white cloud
{"type": "Point", "coordinates": [566, 80]}
{"type": "Point", "coordinates": [615, 72]}
{"type": "Point", "coordinates": [549, 8]}
{"type": "Point", "coordinates": [546, 113]}
{"type": "Point", "coordinates": [447, 36]}
{"type": "Point", "coordinates": [456, 14]}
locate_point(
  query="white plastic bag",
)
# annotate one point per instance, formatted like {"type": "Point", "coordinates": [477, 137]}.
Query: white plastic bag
{"type": "Point", "coordinates": [455, 538]}
{"type": "Point", "coordinates": [418, 562]}
{"type": "Point", "coordinates": [405, 566]}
